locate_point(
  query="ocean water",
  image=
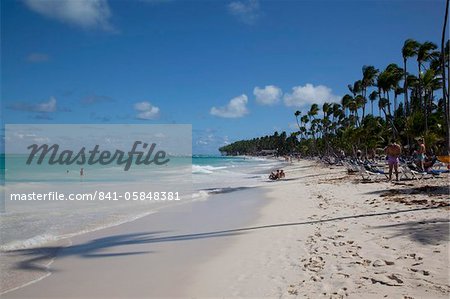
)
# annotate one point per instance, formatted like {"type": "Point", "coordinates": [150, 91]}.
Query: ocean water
{"type": "Point", "coordinates": [25, 224]}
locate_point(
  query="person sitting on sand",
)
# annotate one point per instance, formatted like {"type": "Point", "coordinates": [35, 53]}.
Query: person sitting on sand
{"type": "Point", "coordinates": [273, 176]}
{"type": "Point", "coordinates": [393, 151]}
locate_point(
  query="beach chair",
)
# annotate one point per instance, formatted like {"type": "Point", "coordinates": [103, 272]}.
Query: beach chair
{"type": "Point", "coordinates": [368, 174]}
{"type": "Point", "coordinates": [410, 173]}
{"type": "Point", "coordinates": [436, 172]}
{"type": "Point", "coordinates": [351, 168]}
{"type": "Point", "coordinates": [375, 169]}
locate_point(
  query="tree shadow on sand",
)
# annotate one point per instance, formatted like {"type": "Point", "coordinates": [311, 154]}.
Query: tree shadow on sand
{"type": "Point", "coordinates": [93, 248]}
{"type": "Point", "coordinates": [427, 189]}
{"type": "Point", "coordinates": [427, 232]}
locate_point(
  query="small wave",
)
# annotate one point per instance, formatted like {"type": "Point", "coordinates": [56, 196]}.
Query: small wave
{"type": "Point", "coordinates": [205, 169]}
{"type": "Point", "coordinates": [40, 240]}
{"type": "Point", "coordinates": [29, 243]}
{"type": "Point", "coordinates": [200, 196]}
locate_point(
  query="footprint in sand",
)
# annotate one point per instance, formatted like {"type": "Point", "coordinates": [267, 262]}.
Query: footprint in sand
{"type": "Point", "coordinates": [340, 294]}
{"type": "Point", "coordinates": [390, 280]}
{"type": "Point", "coordinates": [381, 263]}
{"type": "Point", "coordinates": [315, 264]}
{"type": "Point", "coordinates": [423, 272]}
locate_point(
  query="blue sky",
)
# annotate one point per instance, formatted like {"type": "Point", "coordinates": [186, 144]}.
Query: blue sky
{"type": "Point", "coordinates": [233, 69]}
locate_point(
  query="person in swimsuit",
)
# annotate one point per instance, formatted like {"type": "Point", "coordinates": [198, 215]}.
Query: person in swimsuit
{"type": "Point", "coordinates": [421, 154]}
{"type": "Point", "coordinates": [393, 151]}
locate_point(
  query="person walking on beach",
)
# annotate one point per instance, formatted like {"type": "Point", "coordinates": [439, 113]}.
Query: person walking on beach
{"type": "Point", "coordinates": [421, 153]}
{"type": "Point", "coordinates": [393, 151]}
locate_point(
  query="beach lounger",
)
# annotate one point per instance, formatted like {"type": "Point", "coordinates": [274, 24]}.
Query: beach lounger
{"type": "Point", "coordinates": [351, 168]}
{"type": "Point", "coordinates": [368, 174]}
{"type": "Point", "coordinates": [409, 173]}
{"type": "Point", "coordinates": [438, 171]}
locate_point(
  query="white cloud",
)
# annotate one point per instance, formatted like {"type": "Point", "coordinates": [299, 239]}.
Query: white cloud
{"type": "Point", "coordinates": [268, 95]}
{"type": "Point", "coordinates": [146, 110]}
{"type": "Point", "coordinates": [37, 57]}
{"type": "Point", "coordinates": [237, 107]}
{"type": "Point", "coordinates": [49, 106]}
{"type": "Point", "coordinates": [309, 94]}
{"type": "Point", "coordinates": [87, 14]}
{"type": "Point", "coordinates": [246, 11]}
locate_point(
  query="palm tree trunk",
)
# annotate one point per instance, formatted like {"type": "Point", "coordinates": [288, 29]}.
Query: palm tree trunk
{"type": "Point", "coordinates": [444, 88]}
{"type": "Point", "coordinates": [420, 85]}
{"type": "Point", "coordinates": [426, 115]}
{"type": "Point", "coordinates": [395, 104]}
{"type": "Point", "coordinates": [389, 104]}
{"type": "Point", "coordinates": [379, 98]}
{"type": "Point", "coordinates": [405, 87]}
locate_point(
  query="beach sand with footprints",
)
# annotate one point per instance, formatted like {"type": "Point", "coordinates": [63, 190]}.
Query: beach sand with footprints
{"type": "Point", "coordinates": [318, 233]}
{"type": "Point", "coordinates": [325, 234]}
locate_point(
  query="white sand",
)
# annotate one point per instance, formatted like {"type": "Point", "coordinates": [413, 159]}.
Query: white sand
{"type": "Point", "coordinates": [320, 235]}
{"type": "Point", "coordinates": [388, 255]}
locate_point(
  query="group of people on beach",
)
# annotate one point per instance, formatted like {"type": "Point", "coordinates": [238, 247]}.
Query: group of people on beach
{"type": "Point", "coordinates": [277, 175]}
{"type": "Point", "coordinates": [393, 151]}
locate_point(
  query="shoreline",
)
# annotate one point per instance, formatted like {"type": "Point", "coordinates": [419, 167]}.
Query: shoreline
{"type": "Point", "coordinates": [183, 222]}
{"type": "Point", "coordinates": [320, 232]}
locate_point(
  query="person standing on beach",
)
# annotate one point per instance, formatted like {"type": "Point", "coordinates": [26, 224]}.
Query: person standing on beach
{"type": "Point", "coordinates": [421, 153]}
{"type": "Point", "coordinates": [393, 151]}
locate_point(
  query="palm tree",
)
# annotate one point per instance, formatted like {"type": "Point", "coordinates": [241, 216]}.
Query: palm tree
{"type": "Point", "coordinates": [382, 104]}
{"type": "Point", "coordinates": [326, 108]}
{"type": "Point", "coordinates": [430, 84]}
{"type": "Point", "coordinates": [304, 119]}
{"type": "Point", "coordinates": [369, 75]}
{"type": "Point", "coordinates": [360, 102]}
{"type": "Point", "coordinates": [353, 107]}
{"type": "Point", "coordinates": [346, 100]}
{"type": "Point", "coordinates": [394, 75]}
{"type": "Point", "coordinates": [385, 82]}
{"type": "Point", "coordinates": [297, 114]}
{"type": "Point", "coordinates": [424, 53]}
{"type": "Point", "coordinates": [313, 111]}
{"type": "Point", "coordinates": [384, 85]}
{"type": "Point", "coordinates": [356, 88]}
{"type": "Point", "coordinates": [372, 97]}
{"type": "Point", "coordinates": [409, 50]}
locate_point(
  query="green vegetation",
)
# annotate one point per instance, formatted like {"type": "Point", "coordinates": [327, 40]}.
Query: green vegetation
{"type": "Point", "coordinates": [347, 126]}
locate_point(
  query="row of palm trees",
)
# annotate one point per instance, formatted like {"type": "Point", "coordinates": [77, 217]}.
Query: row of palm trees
{"type": "Point", "coordinates": [423, 110]}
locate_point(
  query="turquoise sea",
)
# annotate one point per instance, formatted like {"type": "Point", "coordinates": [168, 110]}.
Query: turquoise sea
{"type": "Point", "coordinates": [28, 224]}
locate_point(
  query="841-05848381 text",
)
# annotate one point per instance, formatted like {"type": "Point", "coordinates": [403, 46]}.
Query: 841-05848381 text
{"type": "Point", "coordinates": [97, 195]}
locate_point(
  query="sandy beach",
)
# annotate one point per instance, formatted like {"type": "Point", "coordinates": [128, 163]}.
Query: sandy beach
{"type": "Point", "coordinates": [225, 149]}
{"type": "Point", "coordinates": [324, 234]}
{"type": "Point", "coordinates": [319, 233]}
